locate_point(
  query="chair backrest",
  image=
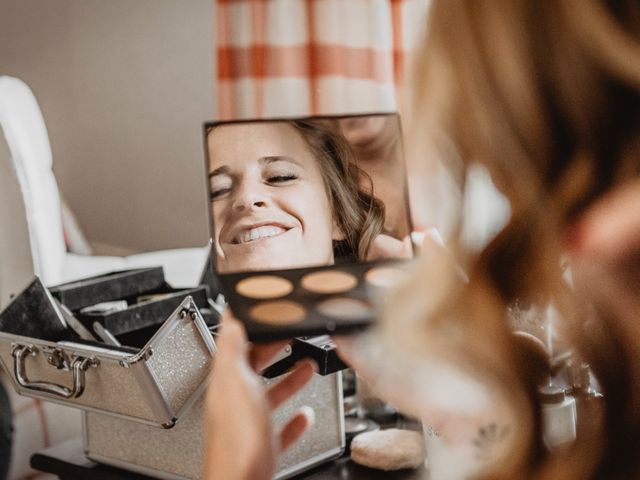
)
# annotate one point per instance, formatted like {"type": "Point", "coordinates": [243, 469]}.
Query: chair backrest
{"type": "Point", "coordinates": [16, 263]}
{"type": "Point", "coordinates": [30, 152]}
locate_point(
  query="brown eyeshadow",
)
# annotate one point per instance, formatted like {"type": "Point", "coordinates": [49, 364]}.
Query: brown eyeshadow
{"type": "Point", "coordinates": [277, 312]}
{"type": "Point", "coordinates": [264, 287]}
{"type": "Point", "coordinates": [385, 277]}
{"type": "Point", "coordinates": [345, 308]}
{"type": "Point", "coordinates": [329, 281]}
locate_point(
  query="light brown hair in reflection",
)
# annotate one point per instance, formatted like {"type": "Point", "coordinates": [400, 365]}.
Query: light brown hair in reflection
{"type": "Point", "coordinates": [359, 214]}
{"type": "Point", "coordinates": [546, 94]}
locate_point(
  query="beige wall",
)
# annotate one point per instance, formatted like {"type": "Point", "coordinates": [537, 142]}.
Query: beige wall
{"type": "Point", "coordinates": [124, 86]}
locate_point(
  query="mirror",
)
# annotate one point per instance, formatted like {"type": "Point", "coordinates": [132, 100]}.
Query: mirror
{"type": "Point", "coordinates": [308, 192]}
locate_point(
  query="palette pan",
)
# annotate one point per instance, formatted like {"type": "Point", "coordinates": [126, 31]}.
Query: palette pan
{"type": "Point", "coordinates": [298, 208]}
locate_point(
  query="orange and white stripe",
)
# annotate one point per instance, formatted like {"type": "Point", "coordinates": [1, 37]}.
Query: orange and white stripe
{"type": "Point", "coordinates": [305, 57]}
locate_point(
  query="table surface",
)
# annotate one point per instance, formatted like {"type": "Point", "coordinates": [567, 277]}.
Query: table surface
{"type": "Point", "coordinates": [68, 462]}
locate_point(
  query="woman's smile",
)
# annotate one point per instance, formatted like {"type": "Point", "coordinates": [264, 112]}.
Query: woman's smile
{"type": "Point", "coordinates": [258, 233]}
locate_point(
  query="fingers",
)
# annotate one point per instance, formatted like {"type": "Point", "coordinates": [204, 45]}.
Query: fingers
{"type": "Point", "coordinates": [407, 247]}
{"type": "Point", "coordinates": [232, 340]}
{"type": "Point", "coordinates": [261, 355]}
{"type": "Point", "coordinates": [294, 429]}
{"type": "Point", "coordinates": [347, 348]}
{"type": "Point", "coordinates": [385, 246]}
{"type": "Point", "coordinates": [298, 377]}
{"type": "Point", "coordinates": [230, 358]}
{"type": "Point", "coordinates": [344, 347]}
{"type": "Point", "coordinates": [610, 230]}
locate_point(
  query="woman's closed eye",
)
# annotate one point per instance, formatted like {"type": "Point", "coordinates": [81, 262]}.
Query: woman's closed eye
{"type": "Point", "coordinates": [280, 178]}
{"type": "Point", "coordinates": [280, 170]}
{"type": "Point", "coordinates": [219, 193]}
{"type": "Point", "coordinates": [220, 186]}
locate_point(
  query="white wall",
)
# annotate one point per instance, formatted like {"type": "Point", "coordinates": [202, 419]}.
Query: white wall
{"type": "Point", "coordinates": [124, 86]}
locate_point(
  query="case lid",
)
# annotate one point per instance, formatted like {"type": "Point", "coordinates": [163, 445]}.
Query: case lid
{"type": "Point", "coordinates": [112, 286]}
{"type": "Point", "coordinates": [154, 384]}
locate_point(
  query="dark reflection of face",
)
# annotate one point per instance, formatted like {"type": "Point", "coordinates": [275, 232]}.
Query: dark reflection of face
{"type": "Point", "coordinates": [269, 203]}
{"type": "Point", "coordinates": [369, 133]}
{"type": "Point", "coordinates": [375, 140]}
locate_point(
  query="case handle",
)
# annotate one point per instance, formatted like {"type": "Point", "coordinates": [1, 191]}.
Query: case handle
{"type": "Point", "coordinates": [79, 366]}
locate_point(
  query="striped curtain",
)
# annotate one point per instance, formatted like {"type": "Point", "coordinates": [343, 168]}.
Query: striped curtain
{"type": "Point", "coordinates": [307, 57]}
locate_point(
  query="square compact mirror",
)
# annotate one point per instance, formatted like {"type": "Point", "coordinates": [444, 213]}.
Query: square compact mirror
{"type": "Point", "coordinates": [309, 220]}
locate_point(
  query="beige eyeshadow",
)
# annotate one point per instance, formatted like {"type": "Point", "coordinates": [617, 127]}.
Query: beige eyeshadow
{"type": "Point", "coordinates": [345, 308]}
{"type": "Point", "coordinates": [385, 277]}
{"type": "Point", "coordinates": [277, 312]}
{"type": "Point", "coordinates": [329, 281]}
{"type": "Point", "coordinates": [264, 287]}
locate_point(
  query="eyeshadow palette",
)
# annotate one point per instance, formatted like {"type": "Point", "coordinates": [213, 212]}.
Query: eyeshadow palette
{"type": "Point", "coordinates": [281, 304]}
{"type": "Point", "coordinates": [309, 220]}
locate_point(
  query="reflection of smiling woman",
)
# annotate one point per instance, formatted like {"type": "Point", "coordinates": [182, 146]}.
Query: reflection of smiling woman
{"type": "Point", "coordinates": [284, 193]}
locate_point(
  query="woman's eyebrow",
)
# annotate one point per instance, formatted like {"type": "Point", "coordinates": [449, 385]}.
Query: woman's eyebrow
{"type": "Point", "coordinates": [224, 170]}
{"type": "Point", "coordinates": [278, 158]}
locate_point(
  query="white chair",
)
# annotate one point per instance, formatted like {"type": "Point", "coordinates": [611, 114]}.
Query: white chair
{"type": "Point", "coordinates": [32, 241]}
{"type": "Point", "coordinates": [30, 155]}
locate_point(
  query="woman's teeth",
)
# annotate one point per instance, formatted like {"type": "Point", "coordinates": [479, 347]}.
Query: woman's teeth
{"type": "Point", "coordinates": [259, 232]}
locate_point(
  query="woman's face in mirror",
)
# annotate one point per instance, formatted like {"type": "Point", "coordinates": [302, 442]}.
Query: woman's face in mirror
{"type": "Point", "coordinates": [269, 204]}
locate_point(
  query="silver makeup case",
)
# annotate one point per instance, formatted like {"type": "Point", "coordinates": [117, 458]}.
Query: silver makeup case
{"type": "Point", "coordinates": [177, 453]}
{"type": "Point", "coordinates": [128, 394]}
{"type": "Point", "coordinates": [153, 385]}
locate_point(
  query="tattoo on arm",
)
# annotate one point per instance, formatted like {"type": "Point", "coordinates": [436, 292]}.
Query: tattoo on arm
{"type": "Point", "coordinates": [488, 438]}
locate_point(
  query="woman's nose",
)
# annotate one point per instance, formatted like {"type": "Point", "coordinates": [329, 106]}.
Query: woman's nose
{"type": "Point", "coordinates": [248, 198]}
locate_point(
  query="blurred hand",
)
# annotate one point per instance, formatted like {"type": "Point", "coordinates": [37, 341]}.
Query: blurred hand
{"type": "Point", "coordinates": [386, 246]}
{"type": "Point", "coordinates": [609, 231]}
{"type": "Point", "coordinates": [607, 237]}
{"type": "Point", "coordinates": [349, 348]}
{"type": "Point", "coordinates": [348, 354]}
{"type": "Point", "coordinates": [240, 443]}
